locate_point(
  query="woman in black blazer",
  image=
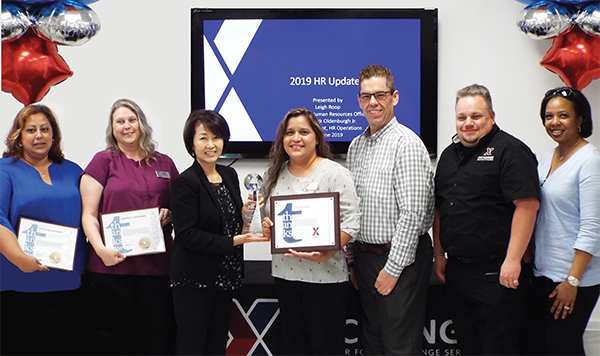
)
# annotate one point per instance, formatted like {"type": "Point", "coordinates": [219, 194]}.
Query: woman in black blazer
{"type": "Point", "coordinates": [207, 258]}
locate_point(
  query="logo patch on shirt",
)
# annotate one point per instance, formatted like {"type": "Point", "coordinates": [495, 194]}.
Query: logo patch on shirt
{"type": "Point", "coordinates": [487, 156]}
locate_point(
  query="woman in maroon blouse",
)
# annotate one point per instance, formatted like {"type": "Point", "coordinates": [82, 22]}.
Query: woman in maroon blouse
{"type": "Point", "coordinates": [130, 294]}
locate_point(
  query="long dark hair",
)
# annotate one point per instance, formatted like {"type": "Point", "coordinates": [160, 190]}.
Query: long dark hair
{"type": "Point", "coordinates": [277, 155]}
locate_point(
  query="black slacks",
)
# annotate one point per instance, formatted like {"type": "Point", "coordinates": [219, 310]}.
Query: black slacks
{"type": "Point", "coordinates": [488, 317]}
{"type": "Point", "coordinates": [131, 315]}
{"type": "Point", "coordinates": [48, 323]}
{"type": "Point", "coordinates": [202, 317]}
{"type": "Point", "coordinates": [312, 317]}
{"type": "Point", "coordinates": [564, 336]}
{"type": "Point", "coordinates": [393, 324]}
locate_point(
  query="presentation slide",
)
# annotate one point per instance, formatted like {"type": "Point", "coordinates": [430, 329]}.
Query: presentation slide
{"type": "Point", "coordinates": [255, 71]}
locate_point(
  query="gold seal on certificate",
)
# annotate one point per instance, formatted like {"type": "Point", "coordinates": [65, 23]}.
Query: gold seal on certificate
{"type": "Point", "coordinates": [55, 257]}
{"type": "Point", "coordinates": [145, 243]}
{"type": "Point", "coordinates": [305, 222]}
{"type": "Point", "coordinates": [52, 244]}
{"type": "Point", "coordinates": [134, 232]}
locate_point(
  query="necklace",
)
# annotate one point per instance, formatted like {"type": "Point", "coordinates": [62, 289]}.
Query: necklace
{"type": "Point", "coordinates": [569, 150]}
{"type": "Point", "coordinates": [42, 171]}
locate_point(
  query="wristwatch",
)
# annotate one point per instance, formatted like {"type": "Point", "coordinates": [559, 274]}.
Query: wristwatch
{"type": "Point", "coordinates": [573, 281]}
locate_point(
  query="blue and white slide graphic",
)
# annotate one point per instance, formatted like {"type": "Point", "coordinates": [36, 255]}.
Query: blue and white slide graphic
{"type": "Point", "coordinates": [256, 70]}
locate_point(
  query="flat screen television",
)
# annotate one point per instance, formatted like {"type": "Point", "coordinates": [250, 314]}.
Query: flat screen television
{"type": "Point", "coordinates": [255, 65]}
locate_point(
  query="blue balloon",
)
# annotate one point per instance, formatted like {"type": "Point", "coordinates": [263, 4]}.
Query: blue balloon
{"type": "Point", "coordinates": [15, 21]}
{"type": "Point", "coordinates": [574, 2]}
{"type": "Point", "coordinates": [558, 9]}
{"type": "Point", "coordinates": [568, 2]}
{"type": "Point", "coordinates": [32, 2]}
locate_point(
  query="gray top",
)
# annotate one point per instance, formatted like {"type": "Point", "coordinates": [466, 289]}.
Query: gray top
{"type": "Point", "coordinates": [329, 176]}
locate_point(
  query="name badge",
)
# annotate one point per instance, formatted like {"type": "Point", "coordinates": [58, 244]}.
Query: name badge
{"type": "Point", "coordinates": [163, 174]}
{"type": "Point", "coordinates": [311, 187]}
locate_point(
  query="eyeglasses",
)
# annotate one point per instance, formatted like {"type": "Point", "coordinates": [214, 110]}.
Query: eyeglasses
{"type": "Point", "coordinates": [379, 96]}
{"type": "Point", "coordinates": [564, 92]}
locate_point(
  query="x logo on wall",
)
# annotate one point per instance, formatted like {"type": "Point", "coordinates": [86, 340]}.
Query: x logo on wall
{"type": "Point", "coordinates": [247, 329]}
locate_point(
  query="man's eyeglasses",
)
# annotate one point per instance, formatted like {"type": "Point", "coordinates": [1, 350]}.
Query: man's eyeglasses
{"type": "Point", "coordinates": [379, 96]}
{"type": "Point", "coordinates": [564, 92]}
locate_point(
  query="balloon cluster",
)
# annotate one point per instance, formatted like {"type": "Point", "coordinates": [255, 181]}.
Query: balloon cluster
{"type": "Point", "coordinates": [31, 31]}
{"type": "Point", "coordinates": [575, 27]}
{"type": "Point", "coordinates": [549, 19]}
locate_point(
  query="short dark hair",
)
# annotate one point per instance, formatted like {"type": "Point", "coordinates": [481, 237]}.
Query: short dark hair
{"type": "Point", "coordinates": [580, 103]}
{"type": "Point", "coordinates": [375, 70]}
{"type": "Point", "coordinates": [212, 121]}
{"type": "Point", "coordinates": [14, 150]}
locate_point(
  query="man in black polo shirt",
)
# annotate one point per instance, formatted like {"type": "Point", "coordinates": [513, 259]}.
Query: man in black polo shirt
{"type": "Point", "coordinates": [487, 197]}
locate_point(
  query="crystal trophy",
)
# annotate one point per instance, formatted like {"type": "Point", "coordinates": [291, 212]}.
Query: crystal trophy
{"type": "Point", "coordinates": [252, 217]}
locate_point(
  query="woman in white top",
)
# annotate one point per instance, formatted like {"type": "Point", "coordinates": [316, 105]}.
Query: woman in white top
{"type": "Point", "coordinates": [567, 233]}
{"type": "Point", "coordinates": [312, 286]}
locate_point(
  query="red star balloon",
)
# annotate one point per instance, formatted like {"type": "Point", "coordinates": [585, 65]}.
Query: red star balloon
{"type": "Point", "coordinates": [30, 66]}
{"type": "Point", "coordinates": [575, 57]}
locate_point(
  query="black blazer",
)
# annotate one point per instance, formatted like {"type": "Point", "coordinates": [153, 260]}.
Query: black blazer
{"type": "Point", "coordinates": [200, 246]}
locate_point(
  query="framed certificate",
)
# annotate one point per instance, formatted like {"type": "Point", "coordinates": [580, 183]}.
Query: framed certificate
{"type": "Point", "coordinates": [305, 222]}
{"type": "Point", "coordinates": [52, 244]}
{"type": "Point", "coordinates": [134, 232]}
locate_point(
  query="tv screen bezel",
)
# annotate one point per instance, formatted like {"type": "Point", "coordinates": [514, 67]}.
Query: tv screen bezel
{"type": "Point", "coordinates": [429, 64]}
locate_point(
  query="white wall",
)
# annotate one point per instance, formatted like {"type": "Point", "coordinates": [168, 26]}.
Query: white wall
{"type": "Point", "coordinates": [143, 52]}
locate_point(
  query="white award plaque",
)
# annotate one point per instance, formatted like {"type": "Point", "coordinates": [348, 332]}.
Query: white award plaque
{"type": "Point", "coordinates": [305, 222]}
{"type": "Point", "coordinates": [134, 232]}
{"type": "Point", "coordinates": [52, 244]}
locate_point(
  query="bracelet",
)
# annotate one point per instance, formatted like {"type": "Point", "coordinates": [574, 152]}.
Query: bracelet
{"type": "Point", "coordinates": [439, 254]}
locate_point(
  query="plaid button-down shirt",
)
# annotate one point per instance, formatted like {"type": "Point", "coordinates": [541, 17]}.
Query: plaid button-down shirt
{"type": "Point", "coordinates": [393, 176]}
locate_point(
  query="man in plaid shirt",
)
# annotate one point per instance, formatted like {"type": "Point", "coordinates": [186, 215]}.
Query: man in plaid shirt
{"type": "Point", "coordinates": [393, 252]}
